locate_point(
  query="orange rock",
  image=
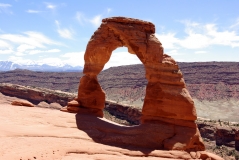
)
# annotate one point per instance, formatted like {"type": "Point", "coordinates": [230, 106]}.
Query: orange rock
{"type": "Point", "coordinates": [73, 109]}
{"type": "Point", "coordinates": [22, 103]}
{"type": "Point", "coordinates": [64, 109]}
{"type": "Point", "coordinates": [90, 94]}
{"type": "Point", "coordinates": [167, 100]}
{"type": "Point", "coordinates": [73, 103]}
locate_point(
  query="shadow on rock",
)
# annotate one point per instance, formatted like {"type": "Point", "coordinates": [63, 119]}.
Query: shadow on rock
{"type": "Point", "coordinates": [150, 136]}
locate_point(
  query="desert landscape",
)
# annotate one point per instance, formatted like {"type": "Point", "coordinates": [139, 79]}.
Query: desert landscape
{"type": "Point", "coordinates": [122, 80]}
{"type": "Point", "coordinates": [143, 111]}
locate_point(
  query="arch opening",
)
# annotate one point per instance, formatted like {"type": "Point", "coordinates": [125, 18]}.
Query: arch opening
{"type": "Point", "coordinates": [123, 86]}
{"type": "Point", "coordinates": [121, 57]}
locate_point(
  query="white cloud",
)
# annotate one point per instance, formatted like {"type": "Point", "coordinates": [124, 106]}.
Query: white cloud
{"type": "Point", "coordinates": [4, 7]}
{"type": "Point", "coordinates": [80, 17]}
{"type": "Point", "coordinates": [32, 52]}
{"type": "Point", "coordinates": [227, 38]}
{"type": "Point", "coordinates": [17, 59]}
{"type": "Point", "coordinates": [122, 58]}
{"type": "Point", "coordinates": [168, 40]}
{"type": "Point", "coordinates": [200, 52]}
{"type": "Point", "coordinates": [57, 23]}
{"type": "Point", "coordinates": [30, 38]}
{"type": "Point", "coordinates": [24, 47]}
{"type": "Point", "coordinates": [32, 11]}
{"type": "Point", "coordinates": [50, 6]}
{"type": "Point", "coordinates": [235, 25]}
{"type": "Point", "coordinates": [194, 41]}
{"type": "Point", "coordinates": [173, 52]}
{"type": "Point", "coordinates": [96, 21]}
{"type": "Point", "coordinates": [7, 51]}
{"type": "Point", "coordinates": [40, 38]}
{"type": "Point", "coordinates": [74, 58]}
{"type": "Point", "coordinates": [109, 10]}
{"type": "Point", "coordinates": [4, 44]}
{"type": "Point", "coordinates": [63, 32]}
{"type": "Point", "coordinates": [19, 54]}
{"type": "Point", "coordinates": [42, 51]}
{"type": "Point", "coordinates": [53, 50]}
{"type": "Point", "coordinates": [20, 60]}
{"type": "Point", "coordinates": [28, 43]}
{"type": "Point", "coordinates": [199, 36]}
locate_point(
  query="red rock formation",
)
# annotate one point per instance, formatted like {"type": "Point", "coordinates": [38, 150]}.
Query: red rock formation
{"type": "Point", "coordinates": [167, 100]}
{"type": "Point", "coordinates": [22, 103]}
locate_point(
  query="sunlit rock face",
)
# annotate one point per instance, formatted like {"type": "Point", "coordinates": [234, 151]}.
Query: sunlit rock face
{"type": "Point", "coordinates": [167, 100]}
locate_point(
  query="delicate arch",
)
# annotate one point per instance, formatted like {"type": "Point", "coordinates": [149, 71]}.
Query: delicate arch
{"type": "Point", "coordinates": [167, 102]}
{"type": "Point", "coordinates": [162, 71]}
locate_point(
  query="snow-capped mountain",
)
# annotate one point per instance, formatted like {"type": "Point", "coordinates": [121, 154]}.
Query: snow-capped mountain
{"type": "Point", "coordinates": [8, 65]}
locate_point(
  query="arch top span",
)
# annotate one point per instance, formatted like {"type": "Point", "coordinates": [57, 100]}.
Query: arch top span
{"type": "Point", "coordinates": [148, 26]}
{"type": "Point", "coordinates": [137, 35]}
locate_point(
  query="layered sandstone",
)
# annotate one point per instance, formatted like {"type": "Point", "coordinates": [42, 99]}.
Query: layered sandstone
{"type": "Point", "coordinates": [167, 104]}
{"type": "Point", "coordinates": [36, 95]}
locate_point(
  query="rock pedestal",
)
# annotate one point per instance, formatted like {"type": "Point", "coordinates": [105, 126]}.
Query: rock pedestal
{"type": "Point", "coordinates": [167, 101]}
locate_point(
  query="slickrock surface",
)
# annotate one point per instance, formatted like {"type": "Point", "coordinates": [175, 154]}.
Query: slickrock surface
{"type": "Point", "coordinates": [167, 102]}
{"type": "Point", "coordinates": [44, 134]}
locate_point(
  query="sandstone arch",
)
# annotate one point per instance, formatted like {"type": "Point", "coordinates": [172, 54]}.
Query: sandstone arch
{"type": "Point", "coordinates": [167, 100]}
{"type": "Point", "coordinates": [166, 95]}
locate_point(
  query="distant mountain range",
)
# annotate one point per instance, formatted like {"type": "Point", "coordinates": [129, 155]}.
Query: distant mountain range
{"type": "Point", "coordinates": [8, 66]}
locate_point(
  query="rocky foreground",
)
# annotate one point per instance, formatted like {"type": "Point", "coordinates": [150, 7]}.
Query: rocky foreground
{"type": "Point", "coordinates": [25, 133]}
{"type": "Point", "coordinates": [219, 136]}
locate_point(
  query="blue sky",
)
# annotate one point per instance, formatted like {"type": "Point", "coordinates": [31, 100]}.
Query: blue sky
{"type": "Point", "coordinates": [57, 32]}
